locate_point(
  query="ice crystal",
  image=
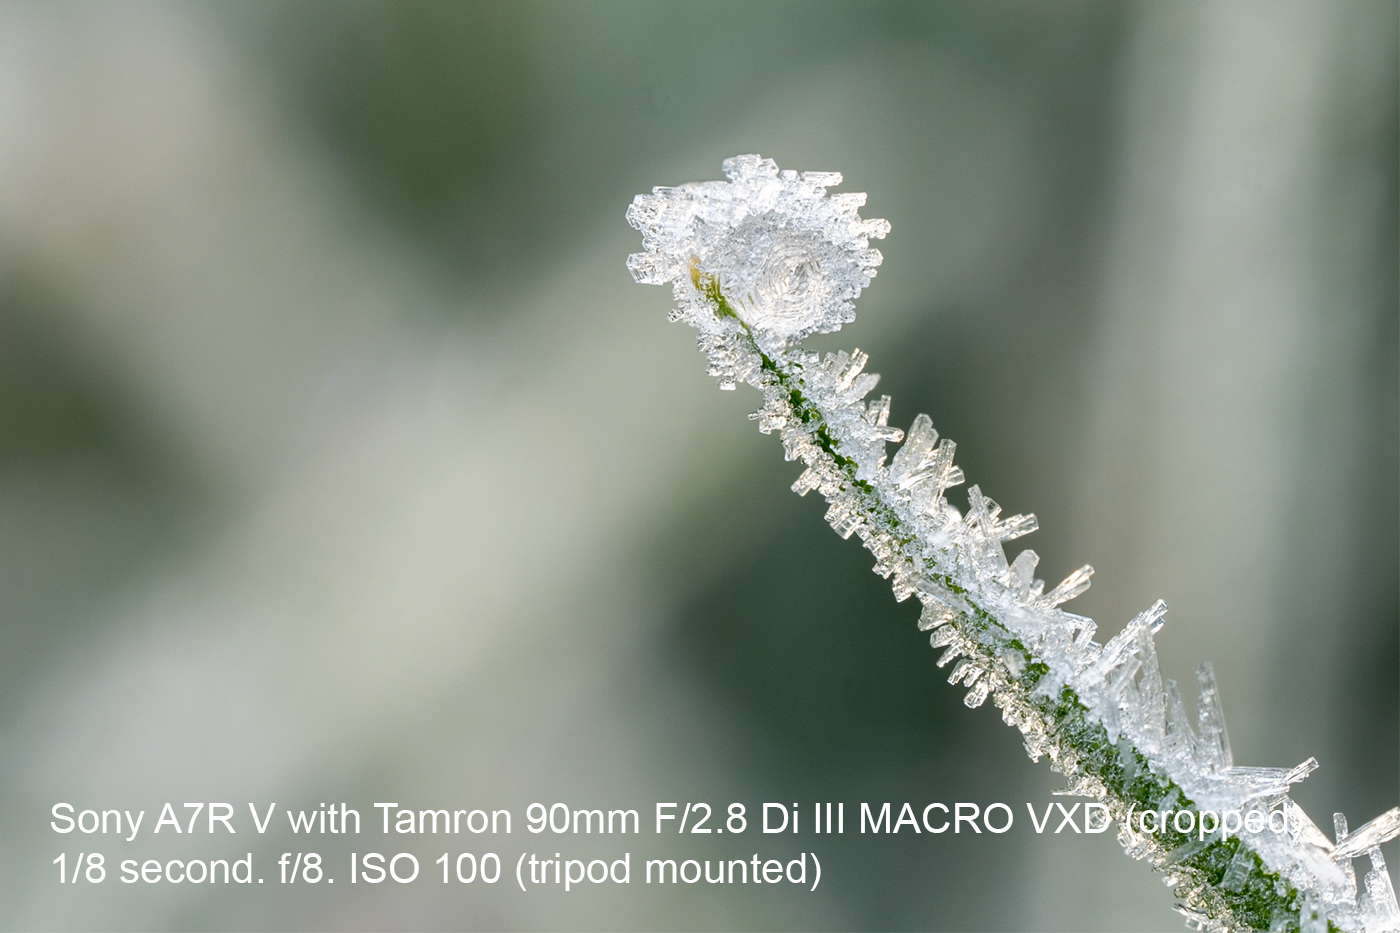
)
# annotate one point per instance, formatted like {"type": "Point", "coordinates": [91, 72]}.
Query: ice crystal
{"type": "Point", "coordinates": [767, 258]}
{"type": "Point", "coordinates": [789, 259]}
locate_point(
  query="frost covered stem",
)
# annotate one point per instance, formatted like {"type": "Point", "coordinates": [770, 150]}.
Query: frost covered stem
{"type": "Point", "coordinates": [1059, 726]}
{"type": "Point", "coordinates": [760, 262]}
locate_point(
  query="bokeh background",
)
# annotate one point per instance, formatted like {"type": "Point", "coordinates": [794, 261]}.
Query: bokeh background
{"type": "Point", "coordinates": [341, 460]}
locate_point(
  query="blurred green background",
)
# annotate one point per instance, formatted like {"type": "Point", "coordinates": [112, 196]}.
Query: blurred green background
{"type": "Point", "coordinates": [341, 460]}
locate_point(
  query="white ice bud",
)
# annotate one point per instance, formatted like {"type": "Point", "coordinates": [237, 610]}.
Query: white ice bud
{"type": "Point", "coordinates": [785, 258]}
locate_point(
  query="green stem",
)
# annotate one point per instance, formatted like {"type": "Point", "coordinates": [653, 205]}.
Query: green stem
{"type": "Point", "coordinates": [1078, 746]}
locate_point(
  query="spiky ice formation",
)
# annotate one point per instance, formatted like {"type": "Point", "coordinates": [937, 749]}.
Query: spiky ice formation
{"type": "Point", "coordinates": [767, 258]}
{"type": "Point", "coordinates": [789, 259]}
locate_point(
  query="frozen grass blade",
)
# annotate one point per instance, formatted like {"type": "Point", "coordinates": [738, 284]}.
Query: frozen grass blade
{"type": "Point", "coordinates": [767, 258]}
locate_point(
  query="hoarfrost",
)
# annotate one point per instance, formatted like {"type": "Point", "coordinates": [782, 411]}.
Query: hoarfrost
{"type": "Point", "coordinates": [760, 261]}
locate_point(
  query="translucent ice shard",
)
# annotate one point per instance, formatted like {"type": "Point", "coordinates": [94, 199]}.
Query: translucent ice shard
{"type": "Point", "coordinates": [1380, 830]}
{"type": "Point", "coordinates": [1380, 895]}
{"type": "Point", "coordinates": [1070, 587]}
{"type": "Point", "coordinates": [1215, 743]}
{"type": "Point", "coordinates": [1339, 824]}
{"type": "Point", "coordinates": [913, 462]}
{"type": "Point", "coordinates": [762, 260]}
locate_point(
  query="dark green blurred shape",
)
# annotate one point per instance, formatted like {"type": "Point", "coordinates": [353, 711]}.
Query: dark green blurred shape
{"type": "Point", "coordinates": [491, 131]}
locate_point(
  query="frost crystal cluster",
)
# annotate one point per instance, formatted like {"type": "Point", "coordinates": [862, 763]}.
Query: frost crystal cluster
{"type": "Point", "coordinates": [766, 258]}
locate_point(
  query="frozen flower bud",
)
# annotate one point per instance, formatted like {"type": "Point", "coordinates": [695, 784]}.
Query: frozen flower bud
{"type": "Point", "coordinates": [768, 246]}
